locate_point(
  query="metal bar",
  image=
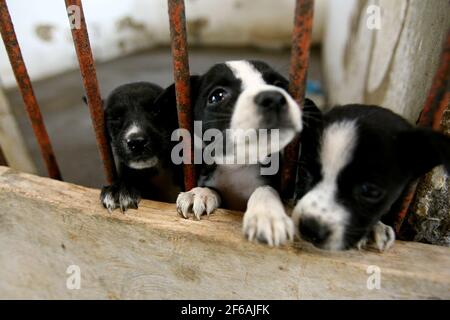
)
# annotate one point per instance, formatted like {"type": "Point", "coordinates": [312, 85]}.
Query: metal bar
{"type": "Point", "coordinates": [301, 43]}
{"type": "Point", "coordinates": [180, 57]}
{"type": "Point", "coordinates": [26, 89]}
{"type": "Point", "coordinates": [88, 73]}
{"type": "Point", "coordinates": [432, 115]}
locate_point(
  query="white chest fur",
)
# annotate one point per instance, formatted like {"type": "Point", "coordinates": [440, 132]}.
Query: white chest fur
{"type": "Point", "coordinates": [235, 184]}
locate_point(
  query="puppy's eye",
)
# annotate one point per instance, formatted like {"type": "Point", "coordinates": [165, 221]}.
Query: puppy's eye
{"type": "Point", "coordinates": [280, 84]}
{"type": "Point", "coordinates": [218, 95]}
{"type": "Point", "coordinates": [370, 192]}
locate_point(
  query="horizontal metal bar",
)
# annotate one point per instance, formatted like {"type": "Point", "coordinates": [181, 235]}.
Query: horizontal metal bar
{"type": "Point", "coordinates": [177, 19]}
{"type": "Point", "coordinates": [88, 73]}
{"type": "Point", "coordinates": [301, 43]}
{"type": "Point", "coordinates": [431, 117]}
{"type": "Point", "coordinates": [26, 89]}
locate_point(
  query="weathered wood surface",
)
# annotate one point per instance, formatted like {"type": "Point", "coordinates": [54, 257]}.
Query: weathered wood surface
{"type": "Point", "coordinates": [47, 225]}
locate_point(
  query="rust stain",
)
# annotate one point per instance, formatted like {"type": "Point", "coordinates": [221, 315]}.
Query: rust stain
{"type": "Point", "coordinates": [90, 82]}
{"type": "Point", "coordinates": [26, 89]}
{"type": "Point", "coordinates": [195, 28]}
{"type": "Point", "coordinates": [301, 43]}
{"type": "Point", "coordinates": [44, 32]}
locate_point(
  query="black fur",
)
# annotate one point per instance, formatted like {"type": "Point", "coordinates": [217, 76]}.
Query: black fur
{"type": "Point", "coordinates": [135, 104]}
{"type": "Point", "coordinates": [389, 154]}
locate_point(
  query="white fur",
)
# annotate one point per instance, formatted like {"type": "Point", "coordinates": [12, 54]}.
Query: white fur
{"type": "Point", "coordinates": [383, 237]}
{"type": "Point", "coordinates": [109, 203]}
{"type": "Point", "coordinates": [132, 129]}
{"type": "Point", "coordinates": [246, 114]}
{"type": "Point", "coordinates": [265, 219]}
{"type": "Point", "coordinates": [236, 184]}
{"type": "Point", "coordinates": [139, 165]}
{"type": "Point", "coordinates": [199, 201]}
{"type": "Point", "coordinates": [338, 143]}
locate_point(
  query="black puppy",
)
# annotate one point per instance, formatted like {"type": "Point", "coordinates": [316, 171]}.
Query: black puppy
{"type": "Point", "coordinates": [139, 130]}
{"type": "Point", "coordinates": [364, 158]}
{"type": "Point", "coordinates": [234, 101]}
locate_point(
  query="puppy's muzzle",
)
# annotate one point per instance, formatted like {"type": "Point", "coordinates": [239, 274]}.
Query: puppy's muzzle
{"type": "Point", "coordinates": [313, 231]}
{"type": "Point", "coordinates": [271, 101]}
{"type": "Point", "coordinates": [136, 144]}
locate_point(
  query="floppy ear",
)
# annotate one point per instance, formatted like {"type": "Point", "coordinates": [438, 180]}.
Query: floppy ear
{"type": "Point", "coordinates": [167, 99]}
{"type": "Point", "coordinates": [425, 149]}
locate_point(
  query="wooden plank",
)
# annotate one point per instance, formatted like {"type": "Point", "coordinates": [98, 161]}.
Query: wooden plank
{"type": "Point", "coordinates": [48, 225]}
{"type": "Point", "coordinates": [11, 140]}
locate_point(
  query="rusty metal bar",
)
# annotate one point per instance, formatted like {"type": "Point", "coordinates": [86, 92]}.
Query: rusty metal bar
{"type": "Point", "coordinates": [88, 73]}
{"type": "Point", "coordinates": [26, 89]}
{"type": "Point", "coordinates": [301, 43]}
{"type": "Point", "coordinates": [180, 57]}
{"type": "Point", "coordinates": [432, 115]}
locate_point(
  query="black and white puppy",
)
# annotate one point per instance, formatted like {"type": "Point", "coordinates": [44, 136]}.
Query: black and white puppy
{"type": "Point", "coordinates": [139, 130]}
{"type": "Point", "coordinates": [231, 98]}
{"type": "Point", "coordinates": [364, 159]}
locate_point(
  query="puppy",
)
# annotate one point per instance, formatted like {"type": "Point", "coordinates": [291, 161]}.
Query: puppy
{"type": "Point", "coordinates": [139, 129]}
{"type": "Point", "coordinates": [364, 159]}
{"type": "Point", "coordinates": [232, 99]}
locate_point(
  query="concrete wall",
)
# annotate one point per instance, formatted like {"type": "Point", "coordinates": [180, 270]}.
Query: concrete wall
{"type": "Point", "coordinates": [120, 27]}
{"type": "Point", "coordinates": [392, 66]}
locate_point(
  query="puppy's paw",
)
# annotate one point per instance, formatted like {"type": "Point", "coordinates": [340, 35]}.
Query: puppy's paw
{"type": "Point", "coordinates": [116, 196]}
{"type": "Point", "coordinates": [199, 201]}
{"type": "Point", "coordinates": [268, 227]}
{"type": "Point", "coordinates": [381, 237]}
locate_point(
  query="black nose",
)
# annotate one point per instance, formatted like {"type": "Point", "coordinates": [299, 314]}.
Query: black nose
{"type": "Point", "coordinates": [136, 143]}
{"type": "Point", "coordinates": [313, 231]}
{"type": "Point", "coordinates": [270, 100]}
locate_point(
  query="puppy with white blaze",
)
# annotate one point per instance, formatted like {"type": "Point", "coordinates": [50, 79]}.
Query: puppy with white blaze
{"type": "Point", "coordinates": [139, 130]}
{"type": "Point", "coordinates": [355, 172]}
{"type": "Point", "coordinates": [233, 98]}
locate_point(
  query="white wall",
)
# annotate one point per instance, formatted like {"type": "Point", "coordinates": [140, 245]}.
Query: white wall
{"type": "Point", "coordinates": [120, 27]}
{"type": "Point", "coordinates": [392, 66]}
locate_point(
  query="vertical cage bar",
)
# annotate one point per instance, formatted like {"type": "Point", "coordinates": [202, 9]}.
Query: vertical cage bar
{"type": "Point", "coordinates": [26, 89]}
{"type": "Point", "coordinates": [180, 57]}
{"type": "Point", "coordinates": [301, 43]}
{"type": "Point", "coordinates": [88, 73]}
{"type": "Point", "coordinates": [431, 116]}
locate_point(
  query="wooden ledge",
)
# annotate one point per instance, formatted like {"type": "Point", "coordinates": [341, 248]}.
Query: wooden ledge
{"type": "Point", "coordinates": [47, 225]}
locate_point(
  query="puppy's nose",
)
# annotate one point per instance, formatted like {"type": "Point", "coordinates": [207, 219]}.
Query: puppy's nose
{"type": "Point", "coordinates": [136, 143]}
{"type": "Point", "coordinates": [270, 100]}
{"type": "Point", "coordinates": [313, 231]}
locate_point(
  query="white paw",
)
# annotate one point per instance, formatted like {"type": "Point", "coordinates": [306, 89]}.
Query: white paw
{"type": "Point", "coordinates": [265, 220]}
{"type": "Point", "coordinates": [199, 201]}
{"type": "Point", "coordinates": [381, 236]}
{"type": "Point", "coordinates": [272, 228]}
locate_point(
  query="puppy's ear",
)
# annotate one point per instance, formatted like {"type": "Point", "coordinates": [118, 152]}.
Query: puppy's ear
{"type": "Point", "coordinates": [424, 149]}
{"type": "Point", "coordinates": [167, 99]}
